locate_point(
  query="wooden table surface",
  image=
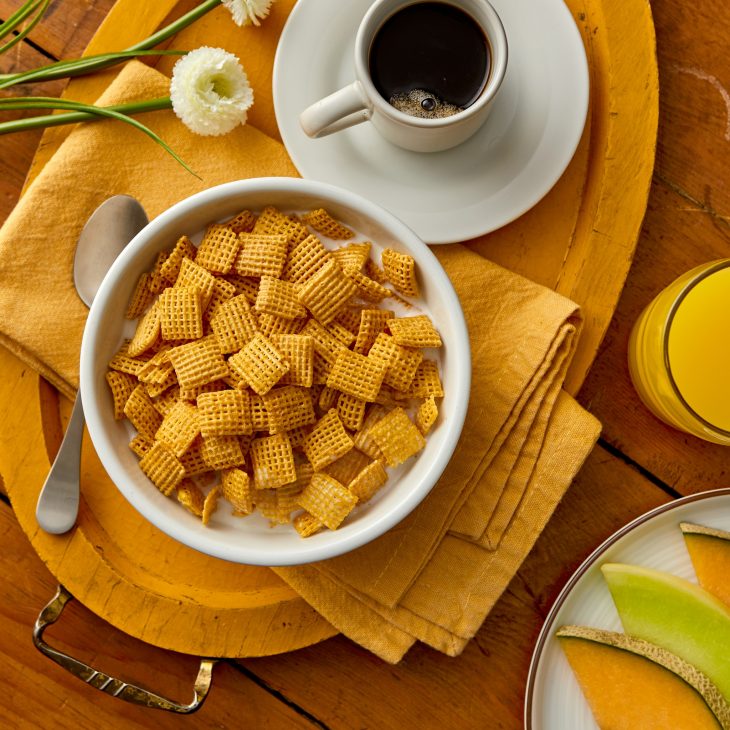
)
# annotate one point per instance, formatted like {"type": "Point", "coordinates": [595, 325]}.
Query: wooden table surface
{"type": "Point", "coordinates": [638, 464]}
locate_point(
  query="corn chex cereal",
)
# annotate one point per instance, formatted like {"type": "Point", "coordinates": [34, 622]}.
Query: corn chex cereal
{"type": "Point", "coordinates": [162, 468]}
{"type": "Point", "coordinates": [326, 292]}
{"type": "Point", "coordinates": [324, 223]}
{"type": "Point", "coordinates": [279, 298]}
{"type": "Point", "coordinates": [257, 333]}
{"type": "Point", "coordinates": [218, 249]}
{"type": "Point", "coordinates": [288, 407]}
{"type": "Point", "coordinates": [414, 331]}
{"type": "Point", "coordinates": [397, 437]}
{"type": "Point", "coordinates": [327, 442]}
{"type": "Point", "coordinates": [260, 363]}
{"type": "Point", "coordinates": [356, 374]}
{"type": "Point", "coordinates": [225, 413]}
{"type": "Point", "coordinates": [400, 270]}
{"type": "Point", "coordinates": [261, 254]}
{"type": "Point", "coordinates": [272, 461]}
{"type": "Point", "coordinates": [327, 500]}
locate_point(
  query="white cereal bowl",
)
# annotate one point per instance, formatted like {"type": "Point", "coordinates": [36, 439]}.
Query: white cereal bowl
{"type": "Point", "coordinates": [251, 540]}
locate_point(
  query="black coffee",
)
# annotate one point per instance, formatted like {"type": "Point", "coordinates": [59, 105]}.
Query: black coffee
{"type": "Point", "coordinates": [430, 60]}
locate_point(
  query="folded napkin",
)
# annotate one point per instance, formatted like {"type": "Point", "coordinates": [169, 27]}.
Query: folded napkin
{"type": "Point", "coordinates": [435, 576]}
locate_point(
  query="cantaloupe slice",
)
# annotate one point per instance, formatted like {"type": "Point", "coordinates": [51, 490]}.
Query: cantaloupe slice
{"type": "Point", "coordinates": [630, 683]}
{"type": "Point", "coordinates": [675, 614]}
{"type": "Point", "coordinates": [709, 549]}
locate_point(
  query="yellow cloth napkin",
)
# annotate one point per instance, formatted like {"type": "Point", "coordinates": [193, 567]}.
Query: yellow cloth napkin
{"type": "Point", "coordinates": [435, 576]}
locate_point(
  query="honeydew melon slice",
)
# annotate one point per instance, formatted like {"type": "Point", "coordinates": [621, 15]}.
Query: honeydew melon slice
{"type": "Point", "coordinates": [630, 683]}
{"type": "Point", "coordinates": [675, 614]}
{"type": "Point", "coordinates": [709, 549]}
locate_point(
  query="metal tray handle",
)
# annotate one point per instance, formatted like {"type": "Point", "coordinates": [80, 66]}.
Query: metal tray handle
{"type": "Point", "coordinates": [114, 687]}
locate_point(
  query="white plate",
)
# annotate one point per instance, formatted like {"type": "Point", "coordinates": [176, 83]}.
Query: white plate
{"type": "Point", "coordinates": [483, 184]}
{"type": "Point", "coordinates": [554, 701]}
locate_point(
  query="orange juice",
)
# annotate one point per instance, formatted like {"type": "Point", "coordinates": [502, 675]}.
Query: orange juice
{"type": "Point", "coordinates": [679, 353]}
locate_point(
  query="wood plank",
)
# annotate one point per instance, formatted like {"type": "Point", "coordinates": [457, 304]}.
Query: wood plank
{"type": "Point", "coordinates": [346, 687]}
{"type": "Point", "coordinates": [36, 689]}
{"type": "Point", "coordinates": [67, 25]}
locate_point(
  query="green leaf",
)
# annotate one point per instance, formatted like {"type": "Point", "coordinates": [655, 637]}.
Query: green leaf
{"type": "Point", "coordinates": [28, 28]}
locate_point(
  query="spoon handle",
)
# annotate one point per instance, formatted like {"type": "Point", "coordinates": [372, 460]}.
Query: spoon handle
{"type": "Point", "coordinates": [58, 502]}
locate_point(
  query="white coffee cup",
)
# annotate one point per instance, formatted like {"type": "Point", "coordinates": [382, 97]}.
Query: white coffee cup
{"type": "Point", "coordinates": [361, 101]}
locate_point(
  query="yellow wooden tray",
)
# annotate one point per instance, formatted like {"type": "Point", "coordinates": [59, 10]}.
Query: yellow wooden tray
{"type": "Point", "coordinates": [578, 240]}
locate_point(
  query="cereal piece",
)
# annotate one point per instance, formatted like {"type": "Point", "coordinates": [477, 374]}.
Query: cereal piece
{"type": "Point", "coordinates": [346, 468]}
{"type": "Point", "coordinates": [157, 281]}
{"type": "Point", "coordinates": [353, 256]}
{"type": "Point", "coordinates": [261, 254]}
{"type": "Point", "coordinates": [162, 468]}
{"type": "Point", "coordinates": [192, 275]}
{"type": "Point", "coordinates": [238, 490]}
{"type": "Point", "coordinates": [140, 445]}
{"type": "Point", "coordinates": [192, 393]}
{"type": "Point", "coordinates": [391, 398]}
{"type": "Point", "coordinates": [181, 316]}
{"type": "Point", "coordinates": [246, 285]}
{"type": "Point", "coordinates": [164, 402]}
{"type": "Point", "coordinates": [243, 222]}
{"type": "Point", "coordinates": [154, 390]}
{"type": "Point", "coordinates": [397, 437]}
{"type": "Point", "coordinates": [368, 288]}
{"type": "Point", "coordinates": [414, 331]}
{"type": "Point", "coordinates": [299, 353]}
{"type": "Point", "coordinates": [259, 414]}
{"type": "Point", "coordinates": [400, 270]}
{"type": "Point", "coordinates": [324, 223]}
{"type": "Point", "coordinates": [179, 428]}
{"type": "Point", "coordinates": [184, 248]}
{"type": "Point", "coordinates": [327, 442]}
{"type": "Point", "coordinates": [223, 291]}
{"type": "Point", "coordinates": [272, 460]}
{"type": "Point", "coordinates": [325, 344]}
{"type": "Point", "coordinates": [147, 332]}
{"type": "Point", "coordinates": [340, 333]}
{"type": "Point", "coordinates": [287, 500]}
{"type": "Point", "coordinates": [321, 369]}
{"type": "Point", "coordinates": [234, 324]}
{"type": "Point", "coordinates": [401, 363]}
{"type": "Point", "coordinates": [125, 363]}
{"type": "Point", "coordinates": [362, 439]}
{"type": "Point", "coordinates": [349, 318]}
{"type": "Point", "coordinates": [305, 260]}
{"type": "Point", "coordinates": [210, 505]}
{"type": "Point", "coordinates": [297, 436]}
{"type": "Point", "coordinates": [271, 324]}
{"type": "Point", "coordinates": [142, 413]}
{"type": "Point", "coordinates": [426, 381]}
{"type": "Point", "coordinates": [278, 298]}
{"type": "Point", "coordinates": [158, 368]}
{"type": "Point", "coordinates": [351, 410]}
{"type": "Point", "coordinates": [141, 299]}
{"type": "Point", "coordinates": [373, 271]}
{"type": "Point", "coordinates": [327, 500]}
{"type": "Point", "coordinates": [327, 399]}
{"type": "Point", "coordinates": [272, 221]}
{"type": "Point", "coordinates": [221, 452]}
{"type": "Point", "coordinates": [326, 293]}
{"type": "Point", "coordinates": [368, 481]}
{"type": "Point", "coordinates": [372, 323]}
{"type": "Point", "coordinates": [260, 363]}
{"type": "Point", "coordinates": [218, 249]}
{"type": "Point", "coordinates": [225, 413]}
{"type": "Point", "coordinates": [426, 415]}
{"type": "Point", "coordinates": [288, 408]}
{"type": "Point", "coordinates": [197, 363]}
{"type": "Point", "coordinates": [192, 460]}
{"type": "Point", "coordinates": [121, 386]}
{"type": "Point", "coordinates": [357, 375]}
{"type": "Point", "coordinates": [190, 497]}
{"type": "Point", "coordinates": [307, 525]}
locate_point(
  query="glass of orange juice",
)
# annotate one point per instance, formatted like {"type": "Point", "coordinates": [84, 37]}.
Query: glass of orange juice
{"type": "Point", "coordinates": [679, 353]}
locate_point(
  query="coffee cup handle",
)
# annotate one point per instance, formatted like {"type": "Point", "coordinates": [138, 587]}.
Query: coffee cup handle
{"type": "Point", "coordinates": [343, 109]}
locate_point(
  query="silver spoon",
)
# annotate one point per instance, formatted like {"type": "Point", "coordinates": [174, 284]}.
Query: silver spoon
{"type": "Point", "coordinates": [109, 229]}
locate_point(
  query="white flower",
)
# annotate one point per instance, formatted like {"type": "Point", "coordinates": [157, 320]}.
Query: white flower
{"type": "Point", "coordinates": [248, 11]}
{"type": "Point", "coordinates": [210, 91]}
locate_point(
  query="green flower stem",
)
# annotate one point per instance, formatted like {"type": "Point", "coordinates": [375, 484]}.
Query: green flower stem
{"type": "Point", "coordinates": [28, 28]}
{"type": "Point", "coordinates": [81, 66]}
{"type": "Point", "coordinates": [46, 102]}
{"type": "Point", "coordinates": [18, 17]}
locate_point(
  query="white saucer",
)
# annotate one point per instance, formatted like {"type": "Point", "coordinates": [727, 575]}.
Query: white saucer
{"type": "Point", "coordinates": [483, 184]}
